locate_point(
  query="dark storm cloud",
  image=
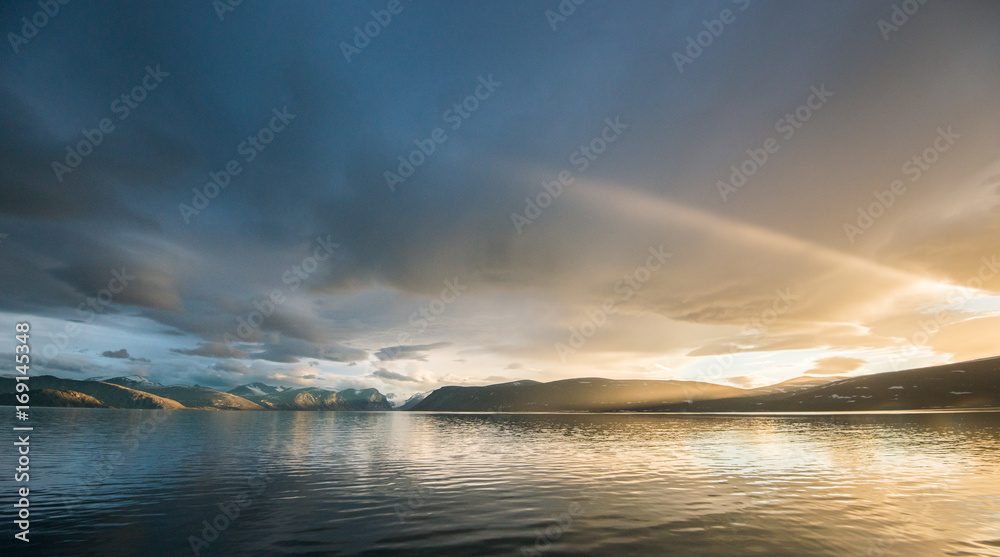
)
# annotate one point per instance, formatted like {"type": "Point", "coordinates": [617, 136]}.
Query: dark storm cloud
{"type": "Point", "coordinates": [145, 285]}
{"type": "Point", "coordinates": [211, 350]}
{"type": "Point", "coordinates": [109, 237]}
{"type": "Point", "coordinates": [123, 355]}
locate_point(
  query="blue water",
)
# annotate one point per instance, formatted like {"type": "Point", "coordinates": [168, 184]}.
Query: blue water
{"type": "Point", "coordinates": [122, 482]}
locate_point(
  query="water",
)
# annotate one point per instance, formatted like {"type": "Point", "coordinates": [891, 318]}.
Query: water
{"type": "Point", "coordinates": [119, 482]}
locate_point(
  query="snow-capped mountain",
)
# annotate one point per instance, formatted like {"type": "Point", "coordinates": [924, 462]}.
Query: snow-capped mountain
{"type": "Point", "coordinates": [413, 401]}
{"type": "Point", "coordinates": [257, 389]}
{"type": "Point", "coordinates": [130, 381]}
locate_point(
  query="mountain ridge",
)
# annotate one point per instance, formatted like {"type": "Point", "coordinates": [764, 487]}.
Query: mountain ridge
{"type": "Point", "coordinates": [584, 394]}
{"type": "Point", "coordinates": [191, 396]}
{"type": "Point", "coordinates": [108, 394]}
{"type": "Point", "coordinates": [963, 385]}
{"type": "Point", "coordinates": [971, 384]}
{"type": "Point", "coordinates": [314, 398]}
{"type": "Point", "coordinates": [135, 392]}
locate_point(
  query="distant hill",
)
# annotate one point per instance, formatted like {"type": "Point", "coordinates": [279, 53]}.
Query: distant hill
{"type": "Point", "coordinates": [55, 399]}
{"type": "Point", "coordinates": [312, 398]}
{"type": "Point", "coordinates": [796, 384]}
{"type": "Point", "coordinates": [259, 396]}
{"type": "Point", "coordinates": [138, 392]}
{"type": "Point", "coordinates": [974, 384]}
{"type": "Point", "coordinates": [591, 394]}
{"type": "Point", "coordinates": [191, 396]}
{"type": "Point", "coordinates": [113, 396]}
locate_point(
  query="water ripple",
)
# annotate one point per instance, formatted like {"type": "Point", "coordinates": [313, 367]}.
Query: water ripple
{"type": "Point", "coordinates": [144, 483]}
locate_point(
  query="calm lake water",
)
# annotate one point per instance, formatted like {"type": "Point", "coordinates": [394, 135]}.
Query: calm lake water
{"type": "Point", "coordinates": [120, 482]}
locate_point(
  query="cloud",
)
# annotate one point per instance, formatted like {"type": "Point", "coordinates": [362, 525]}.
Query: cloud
{"type": "Point", "coordinates": [123, 355]}
{"type": "Point", "coordinates": [392, 376]}
{"type": "Point", "coordinates": [232, 366]}
{"type": "Point", "coordinates": [524, 290]}
{"type": "Point", "coordinates": [744, 381]}
{"type": "Point", "coordinates": [291, 350]}
{"type": "Point", "coordinates": [411, 352]}
{"type": "Point", "coordinates": [836, 365]}
{"type": "Point", "coordinates": [75, 364]}
{"type": "Point", "coordinates": [211, 350]}
{"type": "Point", "coordinates": [969, 339]}
{"type": "Point", "coordinates": [123, 279]}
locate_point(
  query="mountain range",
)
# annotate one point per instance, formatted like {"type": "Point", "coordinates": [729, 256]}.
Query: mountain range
{"type": "Point", "coordinates": [256, 389]}
{"type": "Point", "coordinates": [311, 398]}
{"type": "Point", "coordinates": [107, 394]}
{"type": "Point", "coordinates": [967, 385]}
{"type": "Point", "coordinates": [190, 396]}
{"type": "Point", "coordinates": [589, 394]}
{"type": "Point", "coordinates": [140, 393]}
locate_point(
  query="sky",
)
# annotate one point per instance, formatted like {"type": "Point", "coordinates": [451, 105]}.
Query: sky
{"type": "Point", "coordinates": [406, 195]}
